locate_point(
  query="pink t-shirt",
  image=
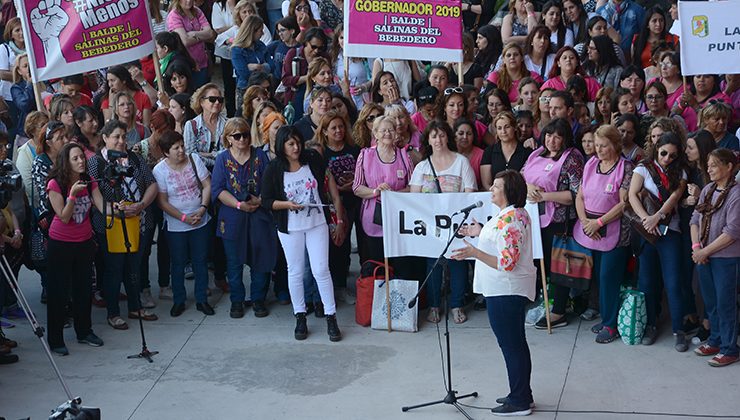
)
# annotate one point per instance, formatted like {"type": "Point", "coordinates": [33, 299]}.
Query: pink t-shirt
{"type": "Point", "coordinates": [557, 83]}
{"type": "Point", "coordinates": [78, 228]}
{"type": "Point", "coordinates": [514, 89]}
{"type": "Point", "coordinates": [475, 157]}
{"type": "Point", "coordinates": [197, 50]}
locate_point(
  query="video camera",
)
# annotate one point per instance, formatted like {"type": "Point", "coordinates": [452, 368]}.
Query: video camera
{"type": "Point", "coordinates": [114, 170]}
{"type": "Point", "coordinates": [10, 182]}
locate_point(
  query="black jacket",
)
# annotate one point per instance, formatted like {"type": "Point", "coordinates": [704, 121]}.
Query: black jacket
{"type": "Point", "coordinates": [273, 188]}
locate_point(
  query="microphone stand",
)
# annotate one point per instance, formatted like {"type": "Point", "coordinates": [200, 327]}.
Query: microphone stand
{"type": "Point", "coordinates": [118, 191]}
{"type": "Point", "coordinates": [451, 397]}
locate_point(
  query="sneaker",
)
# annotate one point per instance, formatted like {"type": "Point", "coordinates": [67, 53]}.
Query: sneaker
{"type": "Point", "coordinates": [649, 336]}
{"type": "Point", "coordinates": [701, 336]}
{"type": "Point", "coordinates": [165, 293]}
{"type": "Point", "coordinates": [560, 322]}
{"type": "Point", "coordinates": [301, 329]}
{"type": "Point", "coordinates": [259, 308]}
{"type": "Point", "coordinates": [91, 339]}
{"type": "Point", "coordinates": [508, 410]}
{"type": "Point", "coordinates": [177, 310]}
{"type": "Point", "coordinates": [189, 275]}
{"type": "Point", "coordinates": [6, 359]}
{"type": "Point", "coordinates": [6, 324]}
{"type": "Point", "coordinates": [97, 299]}
{"type": "Point", "coordinates": [144, 314]}
{"type": "Point", "coordinates": [117, 323]}
{"type": "Point", "coordinates": [332, 328]}
{"type": "Point", "coordinates": [62, 351]}
{"type": "Point", "coordinates": [681, 343]}
{"type": "Point", "coordinates": [607, 335]}
{"type": "Point", "coordinates": [505, 400]}
{"type": "Point", "coordinates": [343, 294]}
{"type": "Point", "coordinates": [147, 301]}
{"type": "Point", "coordinates": [237, 310]}
{"type": "Point", "coordinates": [706, 350]}
{"type": "Point", "coordinates": [589, 314]}
{"type": "Point", "coordinates": [722, 360]}
{"type": "Point", "coordinates": [14, 313]}
{"type": "Point", "coordinates": [205, 308]}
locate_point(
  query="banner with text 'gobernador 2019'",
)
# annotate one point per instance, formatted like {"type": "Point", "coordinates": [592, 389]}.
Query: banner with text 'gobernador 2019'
{"type": "Point", "coordinates": [65, 37]}
{"type": "Point", "coordinates": [403, 29]}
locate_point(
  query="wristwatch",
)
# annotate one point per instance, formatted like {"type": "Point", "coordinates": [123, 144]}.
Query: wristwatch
{"type": "Point", "coordinates": [661, 215]}
{"type": "Point", "coordinates": [143, 83]}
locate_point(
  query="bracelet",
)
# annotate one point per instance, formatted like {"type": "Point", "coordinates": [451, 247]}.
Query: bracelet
{"type": "Point", "coordinates": [696, 245]}
{"type": "Point", "coordinates": [183, 217]}
{"type": "Point", "coordinates": [18, 232]}
{"type": "Point", "coordinates": [239, 205]}
{"type": "Point", "coordinates": [600, 222]}
{"type": "Point", "coordinates": [71, 197]}
{"type": "Point", "coordinates": [375, 192]}
{"type": "Point", "coordinates": [531, 15]}
{"type": "Point", "coordinates": [204, 206]}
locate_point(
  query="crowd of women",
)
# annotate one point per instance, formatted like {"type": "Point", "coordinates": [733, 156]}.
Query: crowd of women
{"type": "Point", "coordinates": [281, 164]}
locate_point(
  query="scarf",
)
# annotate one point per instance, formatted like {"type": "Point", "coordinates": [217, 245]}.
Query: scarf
{"type": "Point", "coordinates": [165, 61]}
{"type": "Point", "coordinates": [15, 48]}
{"type": "Point", "coordinates": [707, 209]}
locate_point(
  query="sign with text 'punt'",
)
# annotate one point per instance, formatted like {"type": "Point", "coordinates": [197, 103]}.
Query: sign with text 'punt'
{"type": "Point", "coordinates": [710, 37]}
{"type": "Point", "coordinates": [403, 29]}
{"type": "Point", "coordinates": [65, 37]}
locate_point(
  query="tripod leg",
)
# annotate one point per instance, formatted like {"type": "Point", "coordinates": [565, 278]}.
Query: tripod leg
{"type": "Point", "coordinates": [460, 409]}
{"type": "Point", "coordinates": [405, 409]}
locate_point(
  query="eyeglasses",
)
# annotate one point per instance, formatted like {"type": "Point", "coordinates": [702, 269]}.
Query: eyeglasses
{"type": "Point", "coordinates": [302, 8]}
{"type": "Point", "coordinates": [450, 91]}
{"type": "Point", "coordinates": [214, 99]}
{"type": "Point", "coordinates": [544, 99]}
{"type": "Point", "coordinates": [371, 118]}
{"type": "Point", "coordinates": [666, 65]}
{"type": "Point", "coordinates": [664, 153]}
{"type": "Point", "coordinates": [239, 136]}
{"type": "Point", "coordinates": [654, 97]}
{"type": "Point", "coordinates": [319, 48]}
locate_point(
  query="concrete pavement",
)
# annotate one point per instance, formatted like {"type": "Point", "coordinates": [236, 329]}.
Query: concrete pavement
{"type": "Point", "coordinates": [220, 368]}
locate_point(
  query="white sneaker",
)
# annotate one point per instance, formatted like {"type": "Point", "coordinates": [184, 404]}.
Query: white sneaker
{"type": "Point", "coordinates": [147, 301]}
{"type": "Point", "coordinates": [165, 293]}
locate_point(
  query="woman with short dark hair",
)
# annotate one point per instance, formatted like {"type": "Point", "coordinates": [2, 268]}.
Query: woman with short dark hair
{"type": "Point", "coordinates": [505, 275]}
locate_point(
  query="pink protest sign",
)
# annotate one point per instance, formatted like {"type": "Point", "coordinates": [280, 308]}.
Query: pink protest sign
{"type": "Point", "coordinates": [74, 36]}
{"type": "Point", "coordinates": [405, 29]}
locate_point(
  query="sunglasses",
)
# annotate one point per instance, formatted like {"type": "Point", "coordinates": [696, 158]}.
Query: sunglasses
{"type": "Point", "coordinates": [545, 99]}
{"type": "Point", "coordinates": [302, 8]}
{"type": "Point", "coordinates": [665, 153]}
{"type": "Point", "coordinates": [653, 97]}
{"type": "Point", "coordinates": [214, 99]}
{"type": "Point", "coordinates": [426, 98]}
{"type": "Point", "coordinates": [371, 118]}
{"type": "Point", "coordinates": [450, 91]}
{"type": "Point", "coordinates": [239, 136]}
{"type": "Point", "coordinates": [320, 48]}
{"type": "Point", "coordinates": [51, 128]}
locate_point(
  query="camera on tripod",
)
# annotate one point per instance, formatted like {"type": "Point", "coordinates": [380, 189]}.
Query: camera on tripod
{"type": "Point", "coordinates": [10, 182]}
{"type": "Point", "coordinates": [114, 170]}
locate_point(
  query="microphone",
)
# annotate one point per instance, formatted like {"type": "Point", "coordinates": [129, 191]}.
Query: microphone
{"type": "Point", "coordinates": [468, 208]}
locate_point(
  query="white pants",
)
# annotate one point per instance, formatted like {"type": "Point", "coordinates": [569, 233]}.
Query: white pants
{"type": "Point", "coordinates": [295, 244]}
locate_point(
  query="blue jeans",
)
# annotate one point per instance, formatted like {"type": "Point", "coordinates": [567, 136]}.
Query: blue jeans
{"type": "Point", "coordinates": [122, 267]}
{"type": "Point", "coordinates": [663, 257]}
{"type": "Point", "coordinates": [506, 315]}
{"type": "Point", "coordinates": [718, 279]}
{"type": "Point", "coordinates": [235, 273]}
{"type": "Point", "coordinates": [190, 246]}
{"type": "Point", "coordinates": [611, 267]}
{"type": "Point", "coordinates": [458, 278]}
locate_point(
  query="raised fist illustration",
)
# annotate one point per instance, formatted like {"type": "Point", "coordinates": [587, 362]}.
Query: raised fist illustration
{"type": "Point", "coordinates": [48, 19]}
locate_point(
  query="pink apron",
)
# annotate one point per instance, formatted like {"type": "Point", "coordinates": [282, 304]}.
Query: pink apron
{"type": "Point", "coordinates": [600, 194]}
{"type": "Point", "coordinates": [545, 172]}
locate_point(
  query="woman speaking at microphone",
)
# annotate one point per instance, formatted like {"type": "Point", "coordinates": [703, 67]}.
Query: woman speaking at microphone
{"type": "Point", "coordinates": [505, 275]}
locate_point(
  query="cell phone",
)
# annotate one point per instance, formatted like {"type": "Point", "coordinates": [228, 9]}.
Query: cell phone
{"type": "Point", "coordinates": [663, 230]}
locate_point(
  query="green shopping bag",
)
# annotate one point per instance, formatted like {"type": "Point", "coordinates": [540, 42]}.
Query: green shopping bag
{"type": "Point", "coordinates": [632, 316]}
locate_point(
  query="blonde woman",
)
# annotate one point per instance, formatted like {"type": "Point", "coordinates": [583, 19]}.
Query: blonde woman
{"type": "Point", "coordinates": [248, 53]}
{"type": "Point", "coordinates": [262, 110]}
{"type": "Point", "coordinates": [362, 132]}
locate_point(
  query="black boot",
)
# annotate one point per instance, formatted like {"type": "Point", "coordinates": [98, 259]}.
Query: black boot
{"type": "Point", "coordinates": [332, 328]}
{"type": "Point", "coordinates": [301, 329]}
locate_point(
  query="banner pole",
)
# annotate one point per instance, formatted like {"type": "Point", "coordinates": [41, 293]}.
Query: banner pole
{"type": "Point", "coordinates": [460, 77]}
{"type": "Point", "coordinates": [387, 292]}
{"type": "Point", "coordinates": [158, 72]}
{"type": "Point", "coordinates": [37, 96]}
{"type": "Point", "coordinates": [544, 295]}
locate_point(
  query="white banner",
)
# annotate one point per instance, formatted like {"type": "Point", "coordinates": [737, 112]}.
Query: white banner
{"type": "Point", "coordinates": [710, 37]}
{"type": "Point", "coordinates": [420, 224]}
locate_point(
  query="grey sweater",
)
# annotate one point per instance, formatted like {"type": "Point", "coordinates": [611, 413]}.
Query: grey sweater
{"type": "Point", "coordinates": [725, 220]}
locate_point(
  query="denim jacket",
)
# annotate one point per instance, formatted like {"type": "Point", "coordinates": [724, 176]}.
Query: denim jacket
{"type": "Point", "coordinates": [242, 57]}
{"type": "Point", "coordinates": [627, 21]}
